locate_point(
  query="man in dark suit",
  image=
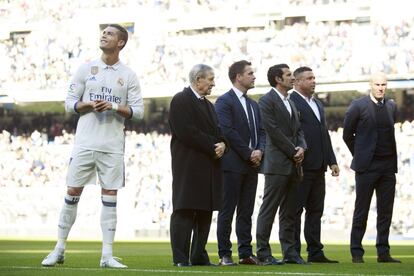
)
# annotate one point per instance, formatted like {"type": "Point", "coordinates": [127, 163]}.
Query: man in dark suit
{"type": "Point", "coordinates": [319, 155]}
{"type": "Point", "coordinates": [369, 135]}
{"type": "Point", "coordinates": [284, 153]}
{"type": "Point", "coordinates": [239, 118]}
{"type": "Point", "coordinates": [197, 146]}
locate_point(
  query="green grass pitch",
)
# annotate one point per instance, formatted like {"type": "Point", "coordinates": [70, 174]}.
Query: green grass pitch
{"type": "Point", "coordinates": [18, 257]}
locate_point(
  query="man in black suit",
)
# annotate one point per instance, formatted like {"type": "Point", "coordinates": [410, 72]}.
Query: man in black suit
{"type": "Point", "coordinates": [369, 135]}
{"type": "Point", "coordinates": [239, 118]}
{"type": "Point", "coordinates": [319, 155]}
{"type": "Point", "coordinates": [197, 146]}
{"type": "Point", "coordinates": [284, 153]}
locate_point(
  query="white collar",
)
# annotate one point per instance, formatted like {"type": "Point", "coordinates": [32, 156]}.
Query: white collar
{"type": "Point", "coordinates": [280, 94]}
{"type": "Point", "coordinates": [195, 93]}
{"type": "Point", "coordinates": [238, 92]}
{"type": "Point", "coordinates": [375, 100]}
{"type": "Point", "coordinates": [103, 65]}
{"type": "Point", "coordinates": [312, 98]}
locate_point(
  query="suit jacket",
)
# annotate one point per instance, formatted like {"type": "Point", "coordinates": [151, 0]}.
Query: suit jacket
{"type": "Point", "coordinates": [320, 153]}
{"type": "Point", "coordinates": [360, 131]}
{"type": "Point", "coordinates": [234, 124]}
{"type": "Point", "coordinates": [283, 134]}
{"type": "Point", "coordinates": [197, 174]}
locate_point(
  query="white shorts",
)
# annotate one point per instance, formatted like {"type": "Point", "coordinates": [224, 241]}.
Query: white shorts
{"type": "Point", "coordinates": [84, 165]}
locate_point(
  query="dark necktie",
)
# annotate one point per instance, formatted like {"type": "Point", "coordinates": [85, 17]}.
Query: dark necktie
{"type": "Point", "coordinates": [251, 122]}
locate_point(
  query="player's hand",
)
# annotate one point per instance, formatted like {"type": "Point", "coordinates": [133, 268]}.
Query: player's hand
{"type": "Point", "coordinates": [219, 149]}
{"type": "Point", "coordinates": [101, 106]}
{"type": "Point", "coordinates": [334, 170]}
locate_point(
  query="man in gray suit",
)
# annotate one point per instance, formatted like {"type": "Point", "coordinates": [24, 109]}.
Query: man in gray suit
{"type": "Point", "coordinates": [284, 153]}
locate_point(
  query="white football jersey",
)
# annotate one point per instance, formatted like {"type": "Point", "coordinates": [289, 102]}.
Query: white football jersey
{"type": "Point", "coordinates": [116, 84]}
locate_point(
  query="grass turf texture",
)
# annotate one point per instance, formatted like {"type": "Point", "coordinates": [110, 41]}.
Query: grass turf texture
{"type": "Point", "coordinates": [154, 258]}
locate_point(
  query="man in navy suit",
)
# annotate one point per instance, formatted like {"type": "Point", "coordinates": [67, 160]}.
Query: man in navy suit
{"type": "Point", "coordinates": [369, 135]}
{"type": "Point", "coordinates": [319, 155]}
{"type": "Point", "coordinates": [239, 118]}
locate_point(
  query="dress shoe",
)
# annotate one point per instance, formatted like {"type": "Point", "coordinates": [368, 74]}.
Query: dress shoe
{"type": "Point", "coordinates": [387, 259]}
{"type": "Point", "coordinates": [251, 260]}
{"type": "Point", "coordinates": [203, 264]}
{"type": "Point", "coordinates": [226, 261]}
{"type": "Point", "coordinates": [270, 261]}
{"type": "Point", "coordinates": [295, 260]}
{"type": "Point", "coordinates": [321, 259]}
{"type": "Point", "coordinates": [357, 259]}
{"type": "Point", "coordinates": [183, 264]}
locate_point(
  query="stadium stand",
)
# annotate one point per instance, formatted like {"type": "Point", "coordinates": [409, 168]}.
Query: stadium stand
{"type": "Point", "coordinates": [338, 50]}
{"type": "Point", "coordinates": [33, 172]}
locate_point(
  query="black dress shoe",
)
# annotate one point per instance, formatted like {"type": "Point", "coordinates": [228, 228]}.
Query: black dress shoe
{"type": "Point", "coordinates": [270, 261]}
{"type": "Point", "coordinates": [183, 264]}
{"type": "Point", "coordinates": [251, 260]}
{"type": "Point", "coordinates": [295, 260]}
{"type": "Point", "coordinates": [226, 261]}
{"type": "Point", "coordinates": [321, 259]}
{"type": "Point", "coordinates": [387, 259]}
{"type": "Point", "coordinates": [357, 259]}
{"type": "Point", "coordinates": [203, 264]}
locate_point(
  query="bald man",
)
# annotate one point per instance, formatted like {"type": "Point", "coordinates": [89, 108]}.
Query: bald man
{"type": "Point", "coordinates": [369, 135]}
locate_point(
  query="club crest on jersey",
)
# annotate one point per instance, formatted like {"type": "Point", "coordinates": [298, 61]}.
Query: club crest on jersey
{"type": "Point", "coordinates": [72, 87]}
{"type": "Point", "coordinates": [121, 82]}
{"type": "Point", "coordinates": [94, 70]}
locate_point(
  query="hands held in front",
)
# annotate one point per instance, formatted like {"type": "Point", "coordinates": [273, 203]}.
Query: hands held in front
{"type": "Point", "coordinates": [256, 158]}
{"type": "Point", "coordinates": [334, 170]}
{"type": "Point", "coordinates": [101, 106]}
{"type": "Point", "coordinates": [299, 155]}
{"type": "Point", "coordinates": [220, 149]}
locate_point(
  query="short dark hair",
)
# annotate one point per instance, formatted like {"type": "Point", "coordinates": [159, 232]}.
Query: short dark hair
{"type": "Point", "coordinates": [237, 68]}
{"type": "Point", "coordinates": [300, 70]}
{"type": "Point", "coordinates": [275, 71]}
{"type": "Point", "coordinates": [122, 33]}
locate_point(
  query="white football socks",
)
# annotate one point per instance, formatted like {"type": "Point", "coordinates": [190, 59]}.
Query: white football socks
{"type": "Point", "coordinates": [66, 220]}
{"type": "Point", "coordinates": [108, 224]}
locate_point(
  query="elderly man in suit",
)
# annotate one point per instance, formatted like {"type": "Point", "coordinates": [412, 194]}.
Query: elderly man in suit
{"type": "Point", "coordinates": [239, 118]}
{"type": "Point", "coordinates": [319, 155]}
{"type": "Point", "coordinates": [369, 135]}
{"type": "Point", "coordinates": [197, 146]}
{"type": "Point", "coordinates": [284, 153]}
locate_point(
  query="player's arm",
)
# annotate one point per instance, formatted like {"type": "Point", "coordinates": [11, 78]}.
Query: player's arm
{"type": "Point", "coordinates": [73, 102]}
{"type": "Point", "coordinates": [135, 104]}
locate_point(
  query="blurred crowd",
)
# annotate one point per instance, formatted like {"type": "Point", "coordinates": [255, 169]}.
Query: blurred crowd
{"type": "Point", "coordinates": [34, 169]}
{"type": "Point", "coordinates": [45, 58]}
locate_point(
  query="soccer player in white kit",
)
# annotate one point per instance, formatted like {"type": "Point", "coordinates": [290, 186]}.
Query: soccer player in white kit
{"type": "Point", "coordinates": [104, 92]}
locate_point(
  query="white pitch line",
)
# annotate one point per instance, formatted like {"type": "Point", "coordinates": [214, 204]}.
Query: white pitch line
{"type": "Point", "coordinates": [191, 271]}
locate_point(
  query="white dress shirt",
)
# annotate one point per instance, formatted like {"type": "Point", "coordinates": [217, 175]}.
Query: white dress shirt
{"type": "Point", "coordinates": [284, 100]}
{"type": "Point", "coordinates": [242, 100]}
{"type": "Point", "coordinates": [312, 103]}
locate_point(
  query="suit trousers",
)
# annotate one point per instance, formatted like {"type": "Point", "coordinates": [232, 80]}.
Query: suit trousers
{"type": "Point", "coordinates": [383, 182]}
{"type": "Point", "coordinates": [279, 190]}
{"type": "Point", "coordinates": [311, 196]}
{"type": "Point", "coordinates": [183, 224]}
{"type": "Point", "coordinates": [240, 192]}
